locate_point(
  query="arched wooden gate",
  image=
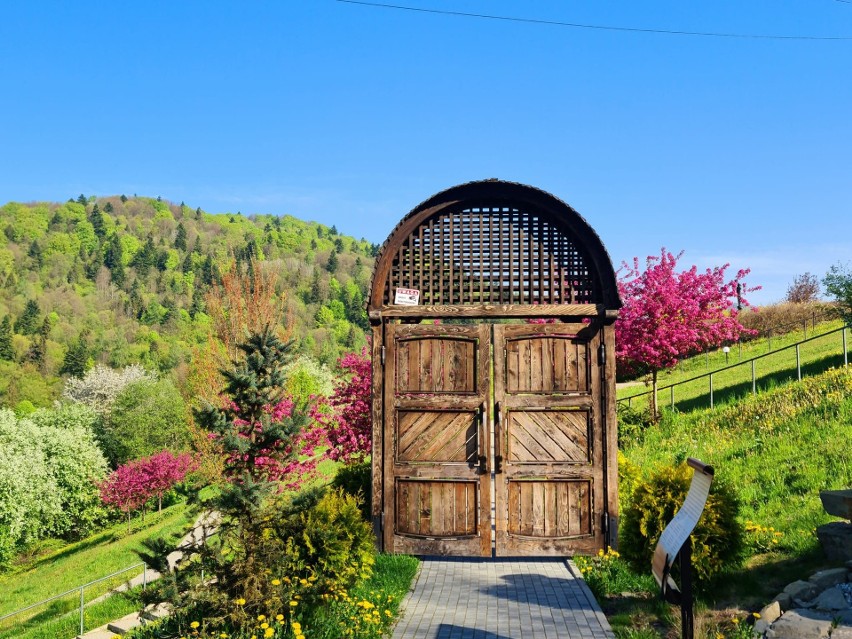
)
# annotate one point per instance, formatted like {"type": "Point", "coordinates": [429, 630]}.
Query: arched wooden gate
{"type": "Point", "coordinates": [492, 435]}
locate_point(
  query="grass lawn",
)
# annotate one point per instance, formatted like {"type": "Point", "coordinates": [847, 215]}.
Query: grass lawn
{"type": "Point", "coordinates": [734, 382]}
{"type": "Point", "coordinates": [779, 449]}
{"type": "Point", "coordinates": [76, 564]}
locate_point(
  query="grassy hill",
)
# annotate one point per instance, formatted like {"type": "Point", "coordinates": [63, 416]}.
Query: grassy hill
{"type": "Point", "coordinates": [775, 366]}
{"type": "Point", "coordinates": [126, 280]}
{"type": "Point", "coordinates": [777, 450]}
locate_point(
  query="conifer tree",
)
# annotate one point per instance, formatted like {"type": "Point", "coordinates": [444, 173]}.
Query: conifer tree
{"type": "Point", "coordinates": [331, 266]}
{"type": "Point", "coordinates": [180, 237]}
{"type": "Point", "coordinates": [97, 220]}
{"type": "Point", "coordinates": [6, 351]}
{"type": "Point", "coordinates": [28, 322]}
{"type": "Point", "coordinates": [76, 357]}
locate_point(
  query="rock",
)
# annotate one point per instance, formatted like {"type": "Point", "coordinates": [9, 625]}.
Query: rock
{"type": "Point", "coordinates": [798, 603]}
{"type": "Point", "coordinates": [836, 540]}
{"type": "Point", "coordinates": [849, 567]}
{"type": "Point", "coordinates": [771, 612]}
{"type": "Point", "coordinates": [784, 600]}
{"type": "Point", "coordinates": [803, 590]}
{"type": "Point", "coordinates": [842, 632]}
{"type": "Point", "coordinates": [827, 578]}
{"type": "Point", "coordinates": [800, 624]}
{"type": "Point", "coordinates": [837, 502]}
{"type": "Point", "coordinates": [831, 599]}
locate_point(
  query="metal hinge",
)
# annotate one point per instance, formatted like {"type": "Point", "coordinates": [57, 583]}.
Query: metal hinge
{"type": "Point", "coordinates": [383, 355]}
{"type": "Point", "coordinates": [605, 518]}
{"type": "Point", "coordinates": [602, 354]}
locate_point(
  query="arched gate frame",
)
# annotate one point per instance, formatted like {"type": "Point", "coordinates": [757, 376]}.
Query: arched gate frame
{"type": "Point", "coordinates": [494, 435]}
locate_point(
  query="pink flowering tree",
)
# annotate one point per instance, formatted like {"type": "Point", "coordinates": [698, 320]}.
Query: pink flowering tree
{"type": "Point", "coordinates": [346, 419]}
{"type": "Point", "coordinates": [132, 485]}
{"type": "Point", "coordinates": [126, 489]}
{"type": "Point", "coordinates": [670, 314]}
{"type": "Point", "coordinates": [163, 471]}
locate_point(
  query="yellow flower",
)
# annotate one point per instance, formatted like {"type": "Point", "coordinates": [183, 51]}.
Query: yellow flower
{"type": "Point", "coordinates": [276, 582]}
{"type": "Point", "coordinates": [735, 621]}
{"type": "Point", "coordinates": [261, 617]}
{"type": "Point", "coordinates": [294, 603]}
{"type": "Point", "coordinates": [240, 602]}
{"type": "Point", "coordinates": [297, 627]}
{"type": "Point", "coordinates": [268, 632]}
{"type": "Point", "coordinates": [264, 625]}
{"type": "Point", "coordinates": [300, 636]}
{"type": "Point", "coordinates": [194, 625]}
{"type": "Point", "coordinates": [279, 617]}
{"type": "Point", "coordinates": [757, 615]}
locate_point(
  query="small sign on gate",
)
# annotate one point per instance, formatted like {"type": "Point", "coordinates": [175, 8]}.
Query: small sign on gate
{"type": "Point", "coordinates": [407, 297]}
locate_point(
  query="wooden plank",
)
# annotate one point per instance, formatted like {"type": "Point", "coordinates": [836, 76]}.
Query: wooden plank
{"type": "Point", "coordinates": [492, 310]}
{"type": "Point", "coordinates": [378, 440]}
{"type": "Point", "coordinates": [562, 510]}
{"type": "Point", "coordinates": [538, 499]}
{"type": "Point", "coordinates": [536, 365]}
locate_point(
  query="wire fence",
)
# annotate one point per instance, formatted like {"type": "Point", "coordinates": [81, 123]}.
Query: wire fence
{"type": "Point", "coordinates": [61, 603]}
{"type": "Point", "coordinates": [783, 364]}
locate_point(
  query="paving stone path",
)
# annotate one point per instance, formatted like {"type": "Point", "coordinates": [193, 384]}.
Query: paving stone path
{"type": "Point", "coordinates": [500, 599]}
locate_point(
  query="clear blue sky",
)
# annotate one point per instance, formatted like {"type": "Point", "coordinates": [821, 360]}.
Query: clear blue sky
{"type": "Point", "coordinates": [733, 149]}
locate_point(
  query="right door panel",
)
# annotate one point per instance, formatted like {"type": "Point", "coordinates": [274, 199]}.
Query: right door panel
{"type": "Point", "coordinates": [548, 466]}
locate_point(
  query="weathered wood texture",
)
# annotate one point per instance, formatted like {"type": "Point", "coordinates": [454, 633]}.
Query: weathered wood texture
{"type": "Point", "coordinates": [437, 385]}
{"type": "Point", "coordinates": [488, 253]}
{"type": "Point", "coordinates": [549, 493]}
{"type": "Point", "coordinates": [545, 394]}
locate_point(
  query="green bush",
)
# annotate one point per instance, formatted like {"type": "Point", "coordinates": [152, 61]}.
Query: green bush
{"type": "Point", "coordinates": [632, 423]}
{"type": "Point", "coordinates": [717, 541]}
{"type": "Point", "coordinates": [330, 542]}
{"type": "Point", "coordinates": [356, 480]}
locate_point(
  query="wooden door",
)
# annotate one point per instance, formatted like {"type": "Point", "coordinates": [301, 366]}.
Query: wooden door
{"type": "Point", "coordinates": [436, 440]}
{"type": "Point", "coordinates": [549, 458]}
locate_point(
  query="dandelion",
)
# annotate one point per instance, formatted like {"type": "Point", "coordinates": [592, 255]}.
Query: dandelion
{"type": "Point", "coordinates": [194, 625]}
{"type": "Point", "coordinates": [264, 626]}
{"type": "Point", "coordinates": [268, 632]}
{"type": "Point", "coordinates": [294, 603]}
{"type": "Point", "coordinates": [261, 617]}
{"type": "Point", "coordinates": [240, 602]}
{"type": "Point", "coordinates": [279, 617]}
{"type": "Point", "coordinates": [276, 582]}
{"type": "Point", "coordinates": [756, 615]}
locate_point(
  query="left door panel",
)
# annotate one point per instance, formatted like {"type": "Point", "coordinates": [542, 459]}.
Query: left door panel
{"type": "Point", "coordinates": [436, 411]}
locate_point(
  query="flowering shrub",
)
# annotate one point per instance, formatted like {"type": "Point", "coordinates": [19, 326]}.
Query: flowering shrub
{"type": "Point", "coordinates": [348, 424]}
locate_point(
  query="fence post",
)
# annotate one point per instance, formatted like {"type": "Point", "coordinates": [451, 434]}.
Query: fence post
{"type": "Point", "coordinates": [144, 576]}
{"type": "Point", "coordinates": [82, 603]}
{"type": "Point", "coordinates": [629, 402]}
{"type": "Point", "coordinates": [671, 389]}
{"type": "Point", "coordinates": [711, 390]}
{"type": "Point", "coordinates": [769, 334]}
{"type": "Point", "coordinates": [845, 352]}
{"type": "Point", "coordinates": [805, 328]}
{"type": "Point", "coordinates": [753, 380]}
{"type": "Point", "coordinates": [798, 364]}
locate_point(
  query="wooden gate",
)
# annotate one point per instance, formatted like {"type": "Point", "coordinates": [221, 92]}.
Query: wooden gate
{"type": "Point", "coordinates": [493, 438]}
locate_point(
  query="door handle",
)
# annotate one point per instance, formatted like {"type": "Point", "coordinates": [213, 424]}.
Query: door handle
{"type": "Point", "coordinates": [498, 425]}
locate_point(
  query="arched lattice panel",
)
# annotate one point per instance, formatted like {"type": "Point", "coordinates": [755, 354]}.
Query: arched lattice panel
{"type": "Point", "coordinates": [492, 254]}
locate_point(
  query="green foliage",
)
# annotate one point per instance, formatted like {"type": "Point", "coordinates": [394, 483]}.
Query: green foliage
{"type": "Point", "coordinates": [307, 378]}
{"type": "Point", "coordinates": [608, 574]}
{"type": "Point", "coordinates": [838, 284]}
{"type": "Point", "coordinates": [717, 539]}
{"type": "Point", "coordinates": [6, 350]}
{"type": "Point", "coordinates": [356, 480]}
{"type": "Point", "coordinates": [147, 416]}
{"type": "Point", "coordinates": [30, 319]}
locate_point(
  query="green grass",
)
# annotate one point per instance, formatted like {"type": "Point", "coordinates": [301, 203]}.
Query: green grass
{"type": "Point", "coordinates": [76, 564]}
{"type": "Point", "coordinates": [779, 449]}
{"type": "Point", "coordinates": [735, 382]}
{"type": "Point", "coordinates": [68, 625]}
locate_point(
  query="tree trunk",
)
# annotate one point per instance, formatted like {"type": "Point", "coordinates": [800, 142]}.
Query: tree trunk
{"type": "Point", "coordinates": [654, 413]}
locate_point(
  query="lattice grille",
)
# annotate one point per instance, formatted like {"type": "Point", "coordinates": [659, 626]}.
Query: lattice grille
{"type": "Point", "coordinates": [492, 255]}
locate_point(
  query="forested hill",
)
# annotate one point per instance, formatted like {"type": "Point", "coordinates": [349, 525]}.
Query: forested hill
{"type": "Point", "coordinates": [118, 280]}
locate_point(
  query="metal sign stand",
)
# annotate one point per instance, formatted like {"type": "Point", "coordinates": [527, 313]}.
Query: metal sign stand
{"type": "Point", "coordinates": [675, 542]}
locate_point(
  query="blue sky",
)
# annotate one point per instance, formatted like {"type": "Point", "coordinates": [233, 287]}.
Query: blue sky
{"type": "Point", "coordinates": [732, 149]}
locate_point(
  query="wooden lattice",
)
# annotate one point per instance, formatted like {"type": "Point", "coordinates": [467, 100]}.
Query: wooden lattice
{"type": "Point", "coordinates": [492, 254]}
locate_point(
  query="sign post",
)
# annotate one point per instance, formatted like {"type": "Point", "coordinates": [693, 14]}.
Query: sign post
{"type": "Point", "coordinates": [675, 543]}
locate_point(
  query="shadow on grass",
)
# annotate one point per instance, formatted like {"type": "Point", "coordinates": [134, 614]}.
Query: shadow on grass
{"type": "Point", "coordinates": [763, 577]}
{"type": "Point", "coordinates": [740, 390]}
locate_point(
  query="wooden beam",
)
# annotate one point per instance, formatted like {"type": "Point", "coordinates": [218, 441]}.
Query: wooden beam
{"type": "Point", "coordinates": [491, 310]}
